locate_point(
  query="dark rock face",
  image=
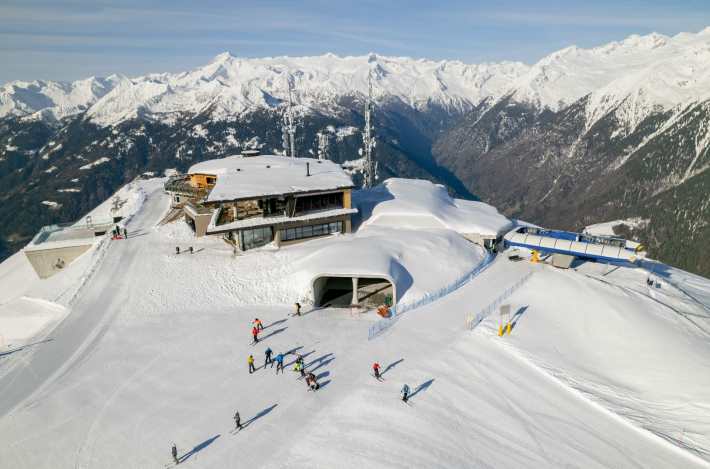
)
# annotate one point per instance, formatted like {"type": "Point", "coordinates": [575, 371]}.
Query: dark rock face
{"type": "Point", "coordinates": [554, 169]}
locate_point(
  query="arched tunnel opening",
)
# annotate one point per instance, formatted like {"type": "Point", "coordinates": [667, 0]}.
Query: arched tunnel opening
{"type": "Point", "coordinates": [341, 291]}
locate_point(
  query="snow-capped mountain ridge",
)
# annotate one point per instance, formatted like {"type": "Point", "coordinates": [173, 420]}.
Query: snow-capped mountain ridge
{"type": "Point", "coordinates": [231, 85]}
{"type": "Point", "coordinates": [646, 72]}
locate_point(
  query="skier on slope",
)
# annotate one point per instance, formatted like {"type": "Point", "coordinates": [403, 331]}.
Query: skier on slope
{"type": "Point", "coordinates": [173, 451]}
{"type": "Point", "coordinates": [280, 363]}
{"type": "Point", "coordinates": [237, 421]}
{"type": "Point", "coordinates": [299, 367]}
{"type": "Point", "coordinates": [258, 325]}
{"type": "Point", "coordinates": [250, 360]}
{"type": "Point", "coordinates": [298, 308]}
{"type": "Point", "coordinates": [268, 359]}
{"type": "Point", "coordinates": [405, 393]}
{"type": "Point", "coordinates": [376, 370]}
{"type": "Point", "coordinates": [312, 382]}
{"type": "Point", "coordinates": [255, 334]}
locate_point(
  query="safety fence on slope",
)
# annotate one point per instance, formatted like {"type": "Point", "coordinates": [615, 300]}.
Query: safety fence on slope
{"type": "Point", "coordinates": [474, 319]}
{"type": "Point", "coordinates": [398, 310]}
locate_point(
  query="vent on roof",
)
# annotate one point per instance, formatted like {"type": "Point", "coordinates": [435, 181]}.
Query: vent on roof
{"type": "Point", "coordinates": [247, 153]}
{"type": "Point", "coordinates": [239, 169]}
{"type": "Point", "coordinates": [268, 166]}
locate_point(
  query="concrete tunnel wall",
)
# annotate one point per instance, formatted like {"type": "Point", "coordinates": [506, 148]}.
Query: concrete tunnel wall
{"type": "Point", "coordinates": [319, 283]}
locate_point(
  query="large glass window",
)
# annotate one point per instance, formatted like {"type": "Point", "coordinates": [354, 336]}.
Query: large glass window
{"type": "Point", "coordinates": [255, 237]}
{"type": "Point", "coordinates": [313, 203]}
{"type": "Point", "coordinates": [310, 231]}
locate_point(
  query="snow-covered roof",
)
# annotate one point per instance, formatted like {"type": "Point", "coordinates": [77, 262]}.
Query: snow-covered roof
{"type": "Point", "coordinates": [56, 237]}
{"type": "Point", "coordinates": [399, 255]}
{"type": "Point", "coordinates": [415, 203]}
{"type": "Point", "coordinates": [240, 177]}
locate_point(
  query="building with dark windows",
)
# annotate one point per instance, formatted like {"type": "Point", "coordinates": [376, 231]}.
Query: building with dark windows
{"type": "Point", "coordinates": [252, 201]}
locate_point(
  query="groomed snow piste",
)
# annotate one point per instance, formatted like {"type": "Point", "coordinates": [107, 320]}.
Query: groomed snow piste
{"type": "Point", "coordinates": [600, 370]}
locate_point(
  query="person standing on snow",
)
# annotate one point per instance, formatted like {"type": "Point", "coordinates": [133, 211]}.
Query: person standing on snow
{"type": "Point", "coordinates": [174, 453]}
{"type": "Point", "coordinates": [250, 360]}
{"type": "Point", "coordinates": [405, 393]}
{"type": "Point", "coordinates": [376, 370]}
{"type": "Point", "coordinates": [268, 359]}
{"type": "Point", "coordinates": [255, 334]}
{"type": "Point", "coordinates": [280, 363]}
{"type": "Point", "coordinates": [298, 308]}
{"type": "Point", "coordinates": [237, 421]}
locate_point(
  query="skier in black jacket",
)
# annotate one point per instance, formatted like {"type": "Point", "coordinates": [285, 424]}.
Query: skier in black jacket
{"type": "Point", "coordinates": [267, 354]}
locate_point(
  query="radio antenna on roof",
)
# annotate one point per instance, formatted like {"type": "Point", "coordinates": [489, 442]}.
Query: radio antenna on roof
{"type": "Point", "coordinates": [368, 139]}
{"type": "Point", "coordinates": [289, 123]}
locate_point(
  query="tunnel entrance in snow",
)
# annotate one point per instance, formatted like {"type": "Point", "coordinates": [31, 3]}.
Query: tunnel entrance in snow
{"type": "Point", "coordinates": [338, 291]}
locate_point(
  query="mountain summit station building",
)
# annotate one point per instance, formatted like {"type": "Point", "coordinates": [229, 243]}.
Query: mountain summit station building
{"type": "Point", "coordinates": [254, 200]}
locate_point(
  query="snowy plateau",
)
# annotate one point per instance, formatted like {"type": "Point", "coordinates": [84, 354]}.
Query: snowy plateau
{"type": "Point", "coordinates": [133, 348]}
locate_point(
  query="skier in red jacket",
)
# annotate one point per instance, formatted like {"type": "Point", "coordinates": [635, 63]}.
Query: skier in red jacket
{"type": "Point", "coordinates": [376, 370]}
{"type": "Point", "coordinates": [255, 334]}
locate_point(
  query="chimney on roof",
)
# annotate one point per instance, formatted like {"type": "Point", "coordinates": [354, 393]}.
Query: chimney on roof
{"type": "Point", "coordinates": [308, 169]}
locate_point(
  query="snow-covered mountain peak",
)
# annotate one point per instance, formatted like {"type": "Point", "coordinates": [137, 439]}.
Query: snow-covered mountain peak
{"type": "Point", "coordinates": [223, 57]}
{"type": "Point", "coordinates": [666, 71]}
{"type": "Point", "coordinates": [230, 85]}
{"type": "Point", "coordinates": [652, 71]}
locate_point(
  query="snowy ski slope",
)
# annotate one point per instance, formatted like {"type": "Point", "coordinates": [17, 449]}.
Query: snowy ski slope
{"type": "Point", "coordinates": [600, 370]}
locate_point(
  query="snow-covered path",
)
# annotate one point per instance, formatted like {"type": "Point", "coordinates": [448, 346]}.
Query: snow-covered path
{"type": "Point", "coordinates": [90, 317]}
{"type": "Point", "coordinates": [149, 357]}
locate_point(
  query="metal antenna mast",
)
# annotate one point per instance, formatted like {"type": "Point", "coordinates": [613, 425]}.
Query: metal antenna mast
{"type": "Point", "coordinates": [323, 140]}
{"type": "Point", "coordinates": [289, 128]}
{"type": "Point", "coordinates": [368, 139]}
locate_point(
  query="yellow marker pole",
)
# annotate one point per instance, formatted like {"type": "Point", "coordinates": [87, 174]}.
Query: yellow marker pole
{"type": "Point", "coordinates": [500, 330]}
{"type": "Point", "coordinates": [508, 329]}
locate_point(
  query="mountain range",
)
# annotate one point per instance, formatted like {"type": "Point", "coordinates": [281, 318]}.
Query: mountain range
{"type": "Point", "coordinates": [583, 136]}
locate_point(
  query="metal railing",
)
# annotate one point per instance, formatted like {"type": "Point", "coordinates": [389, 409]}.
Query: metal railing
{"type": "Point", "coordinates": [181, 185]}
{"type": "Point", "coordinates": [474, 319]}
{"type": "Point", "coordinates": [400, 308]}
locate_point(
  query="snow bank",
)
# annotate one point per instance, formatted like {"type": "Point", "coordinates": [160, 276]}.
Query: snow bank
{"type": "Point", "coordinates": [604, 336]}
{"type": "Point", "coordinates": [607, 228]}
{"type": "Point", "coordinates": [125, 203]}
{"type": "Point", "coordinates": [25, 318]}
{"type": "Point", "coordinates": [421, 204]}
{"type": "Point", "coordinates": [270, 276]}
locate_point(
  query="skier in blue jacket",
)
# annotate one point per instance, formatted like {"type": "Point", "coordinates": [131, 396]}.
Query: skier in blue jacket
{"type": "Point", "coordinates": [279, 363]}
{"type": "Point", "coordinates": [405, 393]}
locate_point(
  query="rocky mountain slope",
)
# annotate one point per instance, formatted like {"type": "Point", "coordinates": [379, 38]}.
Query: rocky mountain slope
{"type": "Point", "coordinates": [582, 136]}
{"type": "Point", "coordinates": [638, 147]}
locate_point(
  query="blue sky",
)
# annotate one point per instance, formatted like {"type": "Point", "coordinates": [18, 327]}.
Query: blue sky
{"type": "Point", "coordinates": [66, 40]}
